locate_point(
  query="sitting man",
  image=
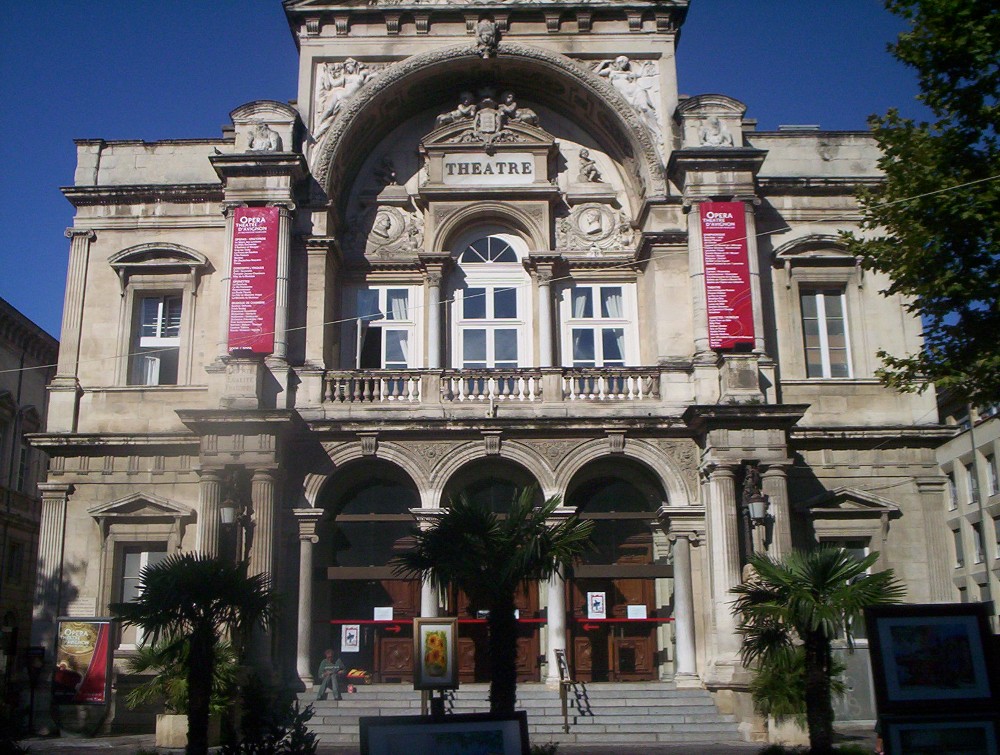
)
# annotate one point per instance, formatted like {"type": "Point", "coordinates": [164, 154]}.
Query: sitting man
{"type": "Point", "coordinates": [328, 676]}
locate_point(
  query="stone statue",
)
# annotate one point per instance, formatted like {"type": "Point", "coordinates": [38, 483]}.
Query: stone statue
{"type": "Point", "coordinates": [634, 84]}
{"type": "Point", "coordinates": [338, 83]}
{"type": "Point", "coordinates": [511, 112]}
{"type": "Point", "coordinates": [588, 168]}
{"type": "Point", "coordinates": [466, 109]}
{"type": "Point", "coordinates": [385, 172]}
{"type": "Point", "coordinates": [263, 138]}
{"type": "Point", "coordinates": [714, 134]}
{"type": "Point", "coordinates": [487, 37]}
{"type": "Point", "coordinates": [751, 482]}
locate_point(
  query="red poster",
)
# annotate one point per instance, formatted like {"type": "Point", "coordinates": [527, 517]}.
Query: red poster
{"type": "Point", "coordinates": [82, 662]}
{"type": "Point", "coordinates": [253, 279]}
{"type": "Point", "coordinates": [727, 275]}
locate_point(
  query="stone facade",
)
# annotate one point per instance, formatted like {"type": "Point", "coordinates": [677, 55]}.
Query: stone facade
{"type": "Point", "coordinates": [489, 273]}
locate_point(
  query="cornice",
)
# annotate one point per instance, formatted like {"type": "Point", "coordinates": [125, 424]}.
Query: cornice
{"type": "Point", "coordinates": [816, 186]}
{"type": "Point", "coordinates": [88, 196]}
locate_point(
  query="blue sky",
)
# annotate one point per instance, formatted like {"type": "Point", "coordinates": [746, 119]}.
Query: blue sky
{"type": "Point", "coordinates": [159, 69]}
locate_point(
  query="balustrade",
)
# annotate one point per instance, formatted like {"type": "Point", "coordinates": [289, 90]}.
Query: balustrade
{"type": "Point", "coordinates": [371, 388]}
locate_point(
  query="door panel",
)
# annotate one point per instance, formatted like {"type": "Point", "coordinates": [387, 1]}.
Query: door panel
{"type": "Point", "coordinates": [613, 651]}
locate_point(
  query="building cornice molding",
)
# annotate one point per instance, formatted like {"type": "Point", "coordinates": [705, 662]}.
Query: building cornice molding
{"type": "Point", "coordinates": [89, 196]}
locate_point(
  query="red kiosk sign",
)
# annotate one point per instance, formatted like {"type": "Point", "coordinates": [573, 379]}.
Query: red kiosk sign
{"type": "Point", "coordinates": [727, 275]}
{"type": "Point", "coordinates": [253, 278]}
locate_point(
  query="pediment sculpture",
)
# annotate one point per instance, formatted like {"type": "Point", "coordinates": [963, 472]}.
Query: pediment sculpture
{"type": "Point", "coordinates": [639, 84]}
{"type": "Point", "coordinates": [338, 83]}
{"type": "Point", "coordinates": [487, 120]}
{"type": "Point", "coordinates": [263, 138]}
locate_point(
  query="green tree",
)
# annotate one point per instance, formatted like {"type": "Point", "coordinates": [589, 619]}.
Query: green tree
{"type": "Point", "coordinates": [490, 555]}
{"type": "Point", "coordinates": [810, 598]}
{"type": "Point", "coordinates": [199, 598]}
{"type": "Point", "coordinates": [933, 226]}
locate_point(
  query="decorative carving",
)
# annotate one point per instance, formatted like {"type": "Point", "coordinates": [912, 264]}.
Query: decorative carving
{"type": "Point", "coordinates": [263, 138]}
{"type": "Point", "coordinates": [386, 232]}
{"type": "Point", "coordinates": [616, 442]}
{"type": "Point", "coordinates": [385, 172]}
{"type": "Point", "coordinates": [588, 169]}
{"type": "Point", "coordinates": [487, 37]}
{"type": "Point", "coordinates": [466, 109]}
{"type": "Point", "coordinates": [492, 440]}
{"type": "Point", "coordinates": [369, 443]}
{"type": "Point", "coordinates": [488, 119]}
{"type": "Point", "coordinates": [338, 82]}
{"type": "Point", "coordinates": [555, 451]}
{"type": "Point", "coordinates": [431, 452]}
{"type": "Point", "coordinates": [713, 133]}
{"type": "Point", "coordinates": [638, 84]}
{"type": "Point", "coordinates": [683, 457]}
{"type": "Point", "coordinates": [511, 112]}
{"type": "Point", "coordinates": [596, 228]}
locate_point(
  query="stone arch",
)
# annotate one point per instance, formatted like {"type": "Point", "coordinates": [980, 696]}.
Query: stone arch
{"type": "Point", "coordinates": [490, 212]}
{"type": "Point", "coordinates": [474, 451]}
{"type": "Point", "coordinates": [643, 452]}
{"type": "Point", "coordinates": [341, 455]}
{"type": "Point", "coordinates": [541, 75]}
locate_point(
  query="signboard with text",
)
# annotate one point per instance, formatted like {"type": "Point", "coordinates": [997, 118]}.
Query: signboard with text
{"type": "Point", "coordinates": [253, 279]}
{"type": "Point", "coordinates": [727, 275]}
{"type": "Point", "coordinates": [475, 169]}
{"type": "Point", "coordinates": [82, 662]}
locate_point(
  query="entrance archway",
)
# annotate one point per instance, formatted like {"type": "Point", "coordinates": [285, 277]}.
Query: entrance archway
{"type": "Point", "coordinates": [614, 612]}
{"type": "Point", "coordinates": [368, 522]}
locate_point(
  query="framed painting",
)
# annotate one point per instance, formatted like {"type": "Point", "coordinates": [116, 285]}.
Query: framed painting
{"type": "Point", "coordinates": [937, 735]}
{"type": "Point", "coordinates": [471, 733]}
{"type": "Point", "coordinates": [434, 653]}
{"type": "Point", "coordinates": [930, 658]}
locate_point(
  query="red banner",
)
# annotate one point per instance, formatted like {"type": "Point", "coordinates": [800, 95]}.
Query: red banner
{"type": "Point", "coordinates": [253, 279]}
{"type": "Point", "coordinates": [82, 662]}
{"type": "Point", "coordinates": [727, 274]}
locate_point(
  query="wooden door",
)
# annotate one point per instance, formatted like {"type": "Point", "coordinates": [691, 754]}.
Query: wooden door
{"type": "Point", "coordinates": [473, 638]}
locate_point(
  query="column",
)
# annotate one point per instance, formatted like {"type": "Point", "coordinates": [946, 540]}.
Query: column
{"type": "Point", "coordinates": [317, 306]}
{"type": "Point", "coordinates": [434, 318]}
{"type": "Point", "coordinates": [428, 599]}
{"type": "Point", "coordinates": [209, 498]}
{"type": "Point", "coordinates": [307, 519]}
{"type": "Point", "coordinates": [724, 554]}
{"type": "Point", "coordinates": [685, 662]}
{"type": "Point", "coordinates": [556, 625]}
{"type": "Point", "coordinates": [262, 544]}
{"type": "Point", "coordinates": [222, 348]}
{"type": "Point", "coordinates": [754, 269]}
{"type": "Point", "coordinates": [281, 284]}
{"type": "Point", "coordinates": [544, 273]}
{"type": "Point", "coordinates": [774, 484]}
{"type": "Point", "coordinates": [49, 574]}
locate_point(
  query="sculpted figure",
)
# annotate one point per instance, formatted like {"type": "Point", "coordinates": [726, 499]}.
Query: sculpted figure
{"type": "Point", "coordinates": [338, 84]}
{"type": "Point", "coordinates": [385, 172]}
{"type": "Point", "coordinates": [588, 168]}
{"type": "Point", "coordinates": [714, 134]}
{"type": "Point", "coordinates": [466, 109]}
{"type": "Point", "coordinates": [630, 83]}
{"type": "Point", "coordinates": [263, 138]}
{"type": "Point", "coordinates": [511, 112]}
{"type": "Point", "coordinates": [487, 37]}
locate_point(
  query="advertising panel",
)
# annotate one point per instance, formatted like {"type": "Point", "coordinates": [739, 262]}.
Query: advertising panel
{"type": "Point", "coordinates": [253, 279]}
{"type": "Point", "coordinates": [727, 275]}
{"type": "Point", "coordinates": [82, 662]}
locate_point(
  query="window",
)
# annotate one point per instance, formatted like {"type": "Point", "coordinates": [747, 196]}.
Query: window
{"type": "Point", "coordinates": [384, 328]}
{"type": "Point", "coordinates": [597, 323]}
{"type": "Point", "coordinates": [490, 306]}
{"type": "Point", "coordinates": [977, 542]}
{"type": "Point", "coordinates": [135, 558]}
{"type": "Point", "coordinates": [959, 551]}
{"type": "Point", "coordinates": [952, 492]}
{"type": "Point", "coordinates": [23, 480]}
{"type": "Point", "coordinates": [156, 350]}
{"type": "Point", "coordinates": [972, 482]}
{"type": "Point", "coordinates": [991, 473]}
{"type": "Point", "coordinates": [824, 327]}
{"type": "Point", "coordinates": [15, 561]}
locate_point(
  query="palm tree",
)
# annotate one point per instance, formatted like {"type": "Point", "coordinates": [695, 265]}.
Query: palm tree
{"type": "Point", "coordinates": [809, 598]}
{"type": "Point", "coordinates": [488, 556]}
{"type": "Point", "coordinates": [199, 598]}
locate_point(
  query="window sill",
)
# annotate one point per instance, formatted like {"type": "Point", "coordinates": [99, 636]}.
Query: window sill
{"type": "Point", "coordinates": [827, 381]}
{"type": "Point", "coordinates": [142, 388]}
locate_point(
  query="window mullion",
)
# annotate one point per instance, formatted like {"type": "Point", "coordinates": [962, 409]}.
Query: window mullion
{"type": "Point", "coordinates": [824, 340]}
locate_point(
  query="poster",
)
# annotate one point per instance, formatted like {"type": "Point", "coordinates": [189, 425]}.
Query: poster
{"type": "Point", "coordinates": [253, 279]}
{"type": "Point", "coordinates": [596, 605]}
{"type": "Point", "coordinates": [350, 638]}
{"type": "Point", "coordinates": [727, 275]}
{"type": "Point", "coordinates": [82, 662]}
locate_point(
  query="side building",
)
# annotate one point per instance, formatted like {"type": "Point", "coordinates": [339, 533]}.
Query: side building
{"type": "Point", "coordinates": [27, 363]}
{"type": "Point", "coordinates": [485, 249]}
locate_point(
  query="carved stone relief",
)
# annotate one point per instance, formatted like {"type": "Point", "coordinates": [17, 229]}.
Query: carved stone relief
{"type": "Point", "coordinates": [263, 138]}
{"type": "Point", "coordinates": [684, 456]}
{"type": "Point", "coordinates": [336, 84]}
{"type": "Point", "coordinates": [714, 133]}
{"type": "Point", "coordinates": [596, 228]}
{"type": "Point", "coordinates": [588, 172]}
{"type": "Point", "coordinates": [554, 451]}
{"type": "Point", "coordinates": [638, 83]}
{"type": "Point", "coordinates": [386, 232]}
{"type": "Point", "coordinates": [488, 118]}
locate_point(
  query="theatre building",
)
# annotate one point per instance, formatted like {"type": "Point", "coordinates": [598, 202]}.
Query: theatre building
{"type": "Point", "coordinates": [488, 246]}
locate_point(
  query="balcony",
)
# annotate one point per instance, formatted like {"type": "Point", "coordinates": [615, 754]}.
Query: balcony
{"type": "Point", "coordinates": [384, 388]}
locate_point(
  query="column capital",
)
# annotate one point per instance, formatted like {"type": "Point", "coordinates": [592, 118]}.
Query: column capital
{"type": "Point", "coordinates": [228, 205]}
{"type": "Point", "coordinates": [683, 521]}
{"type": "Point", "coordinates": [287, 207]}
{"type": "Point", "coordinates": [308, 519]}
{"type": "Point", "coordinates": [716, 469]}
{"type": "Point", "coordinates": [56, 490]}
{"type": "Point", "coordinates": [775, 468]}
{"type": "Point", "coordinates": [80, 233]}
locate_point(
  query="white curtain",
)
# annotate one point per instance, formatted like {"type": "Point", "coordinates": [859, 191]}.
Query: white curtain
{"type": "Point", "coordinates": [399, 308]}
{"type": "Point", "coordinates": [404, 338]}
{"type": "Point", "coordinates": [620, 338]}
{"type": "Point", "coordinates": [580, 300]}
{"type": "Point", "coordinates": [613, 302]}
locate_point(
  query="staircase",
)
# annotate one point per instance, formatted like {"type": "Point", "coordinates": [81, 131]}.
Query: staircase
{"type": "Point", "coordinates": [599, 713]}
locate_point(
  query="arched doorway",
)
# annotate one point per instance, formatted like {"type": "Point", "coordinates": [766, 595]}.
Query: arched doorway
{"type": "Point", "coordinates": [614, 613]}
{"type": "Point", "coordinates": [368, 522]}
{"type": "Point", "coordinates": [495, 483]}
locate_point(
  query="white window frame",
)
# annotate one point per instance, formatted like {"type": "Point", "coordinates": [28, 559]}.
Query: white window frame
{"type": "Point", "coordinates": [144, 555]}
{"type": "Point", "coordinates": [491, 276]}
{"type": "Point", "coordinates": [598, 322]}
{"type": "Point", "coordinates": [952, 491]}
{"type": "Point", "coordinates": [978, 542]}
{"type": "Point", "coordinates": [971, 482]}
{"type": "Point", "coordinates": [355, 330]}
{"type": "Point", "coordinates": [145, 369]}
{"type": "Point", "coordinates": [959, 548]}
{"type": "Point", "coordinates": [992, 474]}
{"type": "Point", "coordinates": [818, 294]}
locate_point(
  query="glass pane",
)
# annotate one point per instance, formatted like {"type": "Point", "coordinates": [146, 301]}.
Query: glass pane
{"type": "Point", "coordinates": [838, 363]}
{"type": "Point", "coordinates": [814, 363]}
{"type": "Point", "coordinates": [501, 251]}
{"type": "Point", "coordinates": [371, 348]}
{"type": "Point", "coordinates": [583, 302]}
{"type": "Point", "coordinates": [505, 346]}
{"type": "Point", "coordinates": [835, 328]}
{"type": "Point", "coordinates": [397, 304]}
{"type": "Point", "coordinates": [368, 304]}
{"type": "Point", "coordinates": [474, 304]}
{"type": "Point", "coordinates": [150, 315]}
{"type": "Point", "coordinates": [478, 251]}
{"type": "Point", "coordinates": [172, 316]}
{"type": "Point", "coordinates": [583, 347]}
{"type": "Point", "coordinates": [505, 303]}
{"type": "Point", "coordinates": [473, 346]}
{"type": "Point", "coordinates": [811, 329]}
{"type": "Point", "coordinates": [611, 302]}
{"type": "Point", "coordinates": [395, 348]}
{"type": "Point", "coordinates": [808, 304]}
{"type": "Point", "coordinates": [832, 304]}
{"type": "Point", "coordinates": [613, 342]}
